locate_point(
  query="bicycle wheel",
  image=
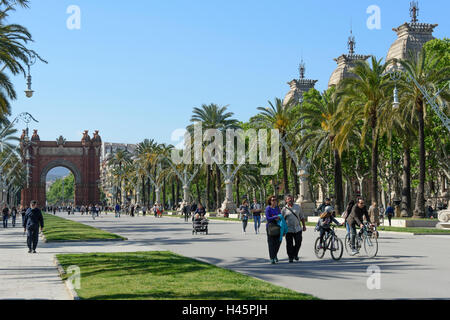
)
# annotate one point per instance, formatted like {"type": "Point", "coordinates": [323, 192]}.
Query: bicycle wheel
{"type": "Point", "coordinates": [371, 246]}
{"type": "Point", "coordinates": [348, 244]}
{"type": "Point", "coordinates": [320, 252]}
{"type": "Point", "coordinates": [337, 248]}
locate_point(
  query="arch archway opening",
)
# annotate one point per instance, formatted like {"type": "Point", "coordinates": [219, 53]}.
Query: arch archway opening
{"type": "Point", "coordinates": [60, 187]}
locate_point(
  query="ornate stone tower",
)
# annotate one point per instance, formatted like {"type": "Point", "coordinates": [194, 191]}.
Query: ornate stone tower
{"type": "Point", "coordinates": [295, 95]}
{"type": "Point", "coordinates": [410, 36]}
{"type": "Point", "coordinates": [345, 62]}
{"type": "Point", "coordinates": [298, 87]}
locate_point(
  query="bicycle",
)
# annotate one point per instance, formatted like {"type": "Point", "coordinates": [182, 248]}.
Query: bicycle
{"type": "Point", "coordinates": [332, 243]}
{"type": "Point", "coordinates": [368, 237]}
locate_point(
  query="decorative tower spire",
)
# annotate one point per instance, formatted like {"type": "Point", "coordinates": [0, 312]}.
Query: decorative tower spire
{"type": "Point", "coordinates": [302, 70]}
{"type": "Point", "coordinates": [414, 11]}
{"type": "Point", "coordinates": [351, 43]}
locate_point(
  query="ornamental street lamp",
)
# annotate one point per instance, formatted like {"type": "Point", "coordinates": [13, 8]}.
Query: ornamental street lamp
{"type": "Point", "coordinates": [395, 75]}
{"type": "Point", "coordinates": [29, 92]}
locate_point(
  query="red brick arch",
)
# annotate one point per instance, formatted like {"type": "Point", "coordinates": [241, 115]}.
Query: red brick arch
{"type": "Point", "coordinates": [81, 158]}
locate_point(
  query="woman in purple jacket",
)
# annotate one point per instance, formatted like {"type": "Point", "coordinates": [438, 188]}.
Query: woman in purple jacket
{"type": "Point", "coordinates": [272, 216]}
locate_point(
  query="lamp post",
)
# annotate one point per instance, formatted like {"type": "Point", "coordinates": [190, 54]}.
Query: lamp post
{"type": "Point", "coordinates": [395, 75]}
{"type": "Point", "coordinates": [29, 92]}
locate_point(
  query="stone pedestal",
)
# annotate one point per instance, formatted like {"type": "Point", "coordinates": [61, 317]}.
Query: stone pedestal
{"type": "Point", "coordinates": [228, 204]}
{"type": "Point", "coordinates": [444, 218]}
{"type": "Point", "coordinates": [307, 206]}
{"type": "Point", "coordinates": [304, 199]}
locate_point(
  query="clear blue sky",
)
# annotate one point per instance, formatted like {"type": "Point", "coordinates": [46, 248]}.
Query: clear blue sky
{"type": "Point", "coordinates": [137, 68]}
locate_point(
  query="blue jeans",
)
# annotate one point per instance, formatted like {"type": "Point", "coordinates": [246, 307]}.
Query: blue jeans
{"type": "Point", "coordinates": [257, 222]}
{"type": "Point", "coordinates": [5, 221]}
{"type": "Point", "coordinates": [348, 227]}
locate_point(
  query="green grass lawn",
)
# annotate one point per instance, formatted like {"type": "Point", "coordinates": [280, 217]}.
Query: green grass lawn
{"type": "Point", "coordinates": [162, 275]}
{"type": "Point", "coordinates": [60, 229]}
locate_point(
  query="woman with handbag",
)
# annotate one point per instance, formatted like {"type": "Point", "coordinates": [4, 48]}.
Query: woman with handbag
{"type": "Point", "coordinates": [272, 228]}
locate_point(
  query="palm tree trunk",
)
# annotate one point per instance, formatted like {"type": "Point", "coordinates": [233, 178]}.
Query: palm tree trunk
{"type": "Point", "coordinates": [164, 192]}
{"type": "Point", "coordinates": [295, 178]}
{"type": "Point", "coordinates": [338, 192]}
{"type": "Point", "coordinates": [174, 201]}
{"type": "Point", "coordinates": [219, 200]}
{"type": "Point", "coordinates": [374, 167]}
{"type": "Point", "coordinates": [406, 183]}
{"type": "Point", "coordinates": [237, 190]}
{"type": "Point", "coordinates": [213, 189]}
{"type": "Point", "coordinates": [149, 191]}
{"type": "Point", "coordinates": [208, 189]}
{"type": "Point", "coordinates": [143, 189]}
{"type": "Point", "coordinates": [419, 211]}
{"type": "Point", "coordinates": [198, 192]}
{"type": "Point", "coordinates": [178, 193]}
{"type": "Point", "coordinates": [285, 173]}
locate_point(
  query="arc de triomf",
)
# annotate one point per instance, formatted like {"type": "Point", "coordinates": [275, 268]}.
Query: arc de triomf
{"type": "Point", "coordinates": [82, 158]}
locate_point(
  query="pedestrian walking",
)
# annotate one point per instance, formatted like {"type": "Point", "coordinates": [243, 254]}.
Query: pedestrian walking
{"type": "Point", "coordinates": [33, 219]}
{"type": "Point", "coordinates": [245, 214]}
{"type": "Point", "coordinates": [13, 216]}
{"type": "Point", "coordinates": [273, 229]}
{"type": "Point", "coordinates": [255, 209]}
{"type": "Point", "coordinates": [5, 213]}
{"type": "Point", "coordinates": [296, 224]}
{"type": "Point", "coordinates": [91, 210]}
{"type": "Point", "coordinates": [144, 210]}
{"type": "Point", "coordinates": [117, 210]}
{"type": "Point", "coordinates": [374, 214]}
{"type": "Point", "coordinates": [186, 211]}
{"type": "Point", "coordinates": [397, 211]}
{"type": "Point", "coordinates": [389, 213]}
{"type": "Point", "coordinates": [193, 208]}
{"type": "Point", "coordinates": [23, 210]}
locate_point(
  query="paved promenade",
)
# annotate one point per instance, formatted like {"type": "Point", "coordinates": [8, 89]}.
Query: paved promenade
{"type": "Point", "coordinates": [412, 267]}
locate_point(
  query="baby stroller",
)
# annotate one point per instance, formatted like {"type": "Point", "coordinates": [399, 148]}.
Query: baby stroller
{"type": "Point", "coordinates": [200, 225]}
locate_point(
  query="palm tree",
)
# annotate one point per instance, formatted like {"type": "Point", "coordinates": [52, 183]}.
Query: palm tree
{"type": "Point", "coordinates": [278, 116]}
{"type": "Point", "coordinates": [213, 116]}
{"type": "Point", "coordinates": [426, 71]}
{"type": "Point", "coordinates": [319, 113]}
{"type": "Point", "coordinates": [119, 161]}
{"type": "Point", "coordinates": [363, 100]}
{"type": "Point", "coordinates": [14, 54]}
{"type": "Point", "coordinates": [164, 152]}
{"type": "Point", "coordinates": [147, 152]}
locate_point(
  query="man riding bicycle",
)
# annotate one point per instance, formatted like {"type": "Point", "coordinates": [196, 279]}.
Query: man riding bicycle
{"type": "Point", "coordinates": [356, 217]}
{"type": "Point", "coordinates": [324, 224]}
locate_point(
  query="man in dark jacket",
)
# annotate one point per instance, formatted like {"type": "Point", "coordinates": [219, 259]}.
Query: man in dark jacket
{"type": "Point", "coordinates": [356, 217]}
{"type": "Point", "coordinates": [186, 210]}
{"type": "Point", "coordinates": [33, 219]}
